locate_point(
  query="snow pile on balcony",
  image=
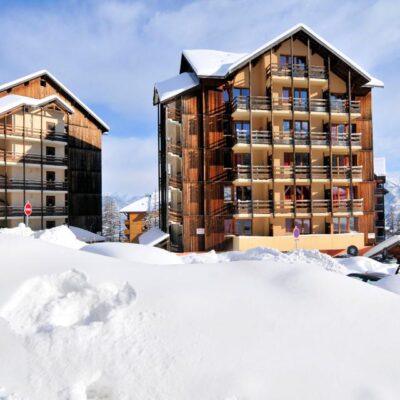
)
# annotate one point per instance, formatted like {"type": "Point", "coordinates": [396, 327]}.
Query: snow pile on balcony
{"type": "Point", "coordinates": [111, 329]}
{"type": "Point", "coordinates": [364, 264]}
{"type": "Point", "coordinates": [134, 253]}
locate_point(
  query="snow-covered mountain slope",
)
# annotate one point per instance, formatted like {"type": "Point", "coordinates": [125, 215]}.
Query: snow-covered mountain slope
{"type": "Point", "coordinates": [79, 326]}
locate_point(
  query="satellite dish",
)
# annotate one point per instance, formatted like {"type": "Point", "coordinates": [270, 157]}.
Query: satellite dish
{"type": "Point", "coordinates": [352, 251]}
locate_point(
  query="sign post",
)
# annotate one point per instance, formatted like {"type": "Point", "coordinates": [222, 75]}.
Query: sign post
{"type": "Point", "coordinates": [296, 236]}
{"type": "Point", "coordinates": [28, 211]}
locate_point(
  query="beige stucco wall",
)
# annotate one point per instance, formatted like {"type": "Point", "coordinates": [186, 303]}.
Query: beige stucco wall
{"type": "Point", "coordinates": [309, 242]}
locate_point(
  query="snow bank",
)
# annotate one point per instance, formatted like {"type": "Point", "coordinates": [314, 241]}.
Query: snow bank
{"type": "Point", "coordinates": [134, 253]}
{"type": "Point", "coordinates": [153, 237]}
{"type": "Point", "coordinates": [267, 254]}
{"type": "Point", "coordinates": [364, 264]}
{"type": "Point", "coordinates": [390, 283]}
{"type": "Point", "coordinates": [76, 325]}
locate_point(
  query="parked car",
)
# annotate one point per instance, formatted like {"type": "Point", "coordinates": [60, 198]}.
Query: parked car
{"type": "Point", "coordinates": [368, 276]}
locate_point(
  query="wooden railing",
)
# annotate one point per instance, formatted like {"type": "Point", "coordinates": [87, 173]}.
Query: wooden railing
{"type": "Point", "coordinates": [33, 185]}
{"type": "Point", "coordinates": [344, 172]}
{"type": "Point", "coordinates": [298, 70]}
{"type": "Point", "coordinates": [261, 137]}
{"type": "Point", "coordinates": [175, 148]}
{"type": "Point", "coordinates": [175, 180]}
{"type": "Point", "coordinates": [32, 158]}
{"type": "Point", "coordinates": [18, 211]}
{"type": "Point", "coordinates": [175, 214]}
{"type": "Point", "coordinates": [253, 206]}
{"type": "Point", "coordinates": [262, 172]}
{"type": "Point", "coordinates": [347, 205]}
{"type": "Point", "coordinates": [257, 103]}
{"type": "Point", "coordinates": [283, 172]}
{"type": "Point", "coordinates": [20, 131]}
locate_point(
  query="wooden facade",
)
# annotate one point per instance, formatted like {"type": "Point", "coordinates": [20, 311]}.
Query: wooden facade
{"type": "Point", "coordinates": [242, 172]}
{"type": "Point", "coordinates": [83, 150]}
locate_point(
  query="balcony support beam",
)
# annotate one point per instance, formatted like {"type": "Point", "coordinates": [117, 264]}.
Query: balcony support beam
{"type": "Point", "coordinates": [5, 169]}
{"type": "Point", "coordinates": [41, 166]}
{"type": "Point", "coordinates": [272, 136]}
{"type": "Point", "coordinates": [309, 133]}
{"type": "Point", "coordinates": [251, 140]}
{"type": "Point", "coordinates": [330, 141]}
{"type": "Point", "coordinates": [293, 136]}
{"type": "Point", "coordinates": [350, 142]}
{"type": "Point", "coordinates": [24, 155]}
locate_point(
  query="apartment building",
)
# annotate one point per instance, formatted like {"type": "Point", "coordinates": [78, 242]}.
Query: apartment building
{"type": "Point", "coordinates": [253, 145]}
{"type": "Point", "coordinates": [50, 155]}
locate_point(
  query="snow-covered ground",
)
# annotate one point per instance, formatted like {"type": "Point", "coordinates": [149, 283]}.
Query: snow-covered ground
{"type": "Point", "coordinates": [261, 324]}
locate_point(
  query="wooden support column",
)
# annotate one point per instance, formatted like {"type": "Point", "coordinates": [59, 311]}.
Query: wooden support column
{"type": "Point", "coordinates": [293, 135]}
{"type": "Point", "coordinates": [23, 158]}
{"type": "Point", "coordinates": [204, 129]}
{"type": "Point", "coordinates": [5, 175]}
{"type": "Point", "coordinates": [251, 144]}
{"type": "Point", "coordinates": [350, 146]}
{"type": "Point", "coordinates": [330, 139]}
{"type": "Point", "coordinates": [309, 133]}
{"type": "Point", "coordinates": [41, 168]}
{"type": "Point", "coordinates": [69, 180]}
{"type": "Point", "coordinates": [272, 137]}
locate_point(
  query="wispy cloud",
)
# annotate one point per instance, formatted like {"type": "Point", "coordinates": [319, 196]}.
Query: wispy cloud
{"type": "Point", "coordinates": [110, 52]}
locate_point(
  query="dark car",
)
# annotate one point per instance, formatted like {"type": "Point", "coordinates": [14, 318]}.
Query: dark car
{"type": "Point", "coordinates": [368, 276]}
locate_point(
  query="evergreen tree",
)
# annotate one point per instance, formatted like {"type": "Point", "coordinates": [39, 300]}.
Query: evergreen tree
{"type": "Point", "coordinates": [111, 220]}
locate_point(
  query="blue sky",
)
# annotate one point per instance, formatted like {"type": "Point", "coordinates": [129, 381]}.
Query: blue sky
{"type": "Point", "coordinates": [110, 53]}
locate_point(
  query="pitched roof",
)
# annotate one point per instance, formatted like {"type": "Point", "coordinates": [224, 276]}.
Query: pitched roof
{"type": "Point", "coordinates": [12, 101]}
{"type": "Point", "coordinates": [171, 87]}
{"type": "Point", "coordinates": [220, 66]}
{"type": "Point", "coordinates": [145, 204]}
{"type": "Point", "coordinates": [43, 72]}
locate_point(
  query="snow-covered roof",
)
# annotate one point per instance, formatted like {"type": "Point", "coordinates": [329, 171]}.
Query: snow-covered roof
{"type": "Point", "coordinates": [153, 236]}
{"type": "Point", "coordinates": [380, 166]}
{"type": "Point", "coordinates": [213, 63]}
{"type": "Point", "coordinates": [12, 101]}
{"type": "Point", "coordinates": [170, 88]}
{"type": "Point", "coordinates": [216, 64]}
{"type": "Point", "coordinates": [86, 236]}
{"type": "Point", "coordinates": [386, 244]}
{"type": "Point", "coordinates": [42, 72]}
{"type": "Point", "coordinates": [145, 204]}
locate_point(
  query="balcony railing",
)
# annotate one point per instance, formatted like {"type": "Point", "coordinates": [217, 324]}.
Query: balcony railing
{"type": "Point", "coordinates": [11, 156]}
{"type": "Point", "coordinates": [33, 185]}
{"type": "Point", "coordinates": [18, 211]}
{"type": "Point", "coordinates": [262, 172]}
{"type": "Point", "coordinates": [175, 148]}
{"type": "Point", "coordinates": [20, 131]}
{"type": "Point", "coordinates": [298, 70]}
{"type": "Point", "coordinates": [260, 103]}
{"type": "Point", "coordinates": [175, 214]}
{"type": "Point", "coordinates": [343, 172]}
{"type": "Point", "coordinates": [257, 136]}
{"type": "Point", "coordinates": [175, 180]}
{"type": "Point", "coordinates": [307, 206]}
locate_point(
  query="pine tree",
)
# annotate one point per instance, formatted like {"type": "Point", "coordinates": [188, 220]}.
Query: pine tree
{"type": "Point", "coordinates": [111, 220]}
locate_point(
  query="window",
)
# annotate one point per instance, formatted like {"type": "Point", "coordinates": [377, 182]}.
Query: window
{"type": "Point", "coordinates": [302, 159]}
{"type": "Point", "coordinates": [50, 151]}
{"type": "Point", "coordinates": [299, 61]}
{"type": "Point", "coordinates": [50, 201]}
{"type": "Point", "coordinates": [340, 160]}
{"type": "Point", "coordinates": [241, 92]}
{"type": "Point", "coordinates": [50, 176]}
{"type": "Point", "coordinates": [300, 100]}
{"type": "Point", "coordinates": [228, 227]}
{"type": "Point", "coordinates": [243, 193]}
{"type": "Point", "coordinates": [284, 59]}
{"type": "Point", "coordinates": [228, 193]}
{"type": "Point", "coordinates": [43, 82]}
{"type": "Point", "coordinates": [288, 192]}
{"type": "Point", "coordinates": [50, 127]}
{"type": "Point", "coordinates": [286, 93]}
{"type": "Point", "coordinates": [243, 227]}
{"type": "Point", "coordinates": [287, 159]}
{"type": "Point", "coordinates": [344, 224]}
{"type": "Point", "coordinates": [242, 131]}
{"type": "Point", "coordinates": [304, 225]}
{"type": "Point", "coordinates": [50, 224]}
{"type": "Point", "coordinates": [243, 159]}
{"type": "Point", "coordinates": [303, 193]}
{"type": "Point", "coordinates": [225, 95]}
{"type": "Point", "coordinates": [301, 126]}
{"type": "Point", "coordinates": [340, 192]}
{"type": "Point", "coordinates": [287, 125]}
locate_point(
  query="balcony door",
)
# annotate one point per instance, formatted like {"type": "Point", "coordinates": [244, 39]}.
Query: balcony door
{"type": "Point", "coordinates": [242, 131]}
{"type": "Point", "coordinates": [300, 99]}
{"type": "Point", "coordinates": [243, 193]}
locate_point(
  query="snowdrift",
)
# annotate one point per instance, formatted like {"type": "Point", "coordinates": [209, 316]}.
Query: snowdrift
{"type": "Point", "coordinates": [77, 325]}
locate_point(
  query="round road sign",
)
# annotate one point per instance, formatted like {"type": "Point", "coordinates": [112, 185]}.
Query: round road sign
{"type": "Point", "coordinates": [28, 209]}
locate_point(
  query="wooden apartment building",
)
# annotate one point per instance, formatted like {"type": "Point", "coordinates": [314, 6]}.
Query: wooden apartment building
{"type": "Point", "coordinates": [50, 155]}
{"type": "Point", "coordinates": [253, 145]}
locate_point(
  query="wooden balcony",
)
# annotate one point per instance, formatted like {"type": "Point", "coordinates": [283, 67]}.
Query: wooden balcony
{"type": "Point", "coordinates": [175, 148]}
{"type": "Point", "coordinates": [33, 185]}
{"type": "Point", "coordinates": [32, 133]}
{"type": "Point", "coordinates": [347, 173]}
{"type": "Point", "coordinates": [31, 158]}
{"type": "Point", "coordinates": [260, 172]}
{"type": "Point", "coordinates": [258, 137]}
{"type": "Point", "coordinates": [253, 207]}
{"type": "Point", "coordinates": [175, 214]}
{"type": "Point", "coordinates": [297, 71]}
{"type": "Point", "coordinates": [175, 180]}
{"type": "Point", "coordinates": [37, 211]}
{"type": "Point", "coordinates": [347, 206]}
{"type": "Point", "coordinates": [258, 103]}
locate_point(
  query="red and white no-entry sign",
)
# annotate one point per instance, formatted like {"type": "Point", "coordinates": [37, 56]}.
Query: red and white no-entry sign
{"type": "Point", "coordinates": [28, 209]}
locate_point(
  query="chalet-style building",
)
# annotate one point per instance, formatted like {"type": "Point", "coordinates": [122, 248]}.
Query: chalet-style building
{"type": "Point", "coordinates": [50, 155]}
{"type": "Point", "coordinates": [253, 145]}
